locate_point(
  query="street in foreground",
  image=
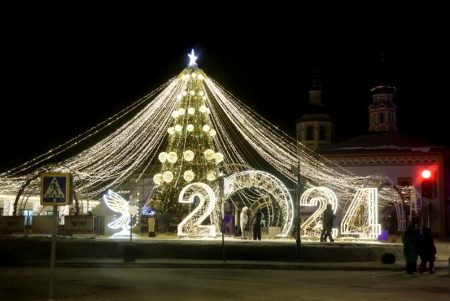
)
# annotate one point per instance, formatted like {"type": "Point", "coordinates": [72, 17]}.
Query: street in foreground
{"type": "Point", "coordinates": [111, 284]}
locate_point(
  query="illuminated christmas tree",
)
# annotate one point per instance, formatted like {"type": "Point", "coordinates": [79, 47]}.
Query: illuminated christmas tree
{"type": "Point", "coordinates": [190, 155]}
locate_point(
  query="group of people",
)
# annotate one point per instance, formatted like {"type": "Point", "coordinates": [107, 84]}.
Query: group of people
{"type": "Point", "coordinates": [256, 222]}
{"type": "Point", "coordinates": [327, 221]}
{"type": "Point", "coordinates": [417, 244]}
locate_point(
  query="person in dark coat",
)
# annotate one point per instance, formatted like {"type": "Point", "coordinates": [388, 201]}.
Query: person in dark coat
{"type": "Point", "coordinates": [257, 225]}
{"type": "Point", "coordinates": [427, 251]}
{"type": "Point", "coordinates": [410, 249]}
{"type": "Point", "coordinates": [392, 227]}
{"type": "Point", "coordinates": [327, 221]}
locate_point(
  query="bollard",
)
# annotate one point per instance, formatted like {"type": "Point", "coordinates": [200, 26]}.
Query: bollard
{"type": "Point", "coordinates": [129, 253]}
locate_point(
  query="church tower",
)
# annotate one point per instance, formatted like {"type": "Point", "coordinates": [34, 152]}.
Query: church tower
{"type": "Point", "coordinates": [315, 129]}
{"type": "Point", "coordinates": [382, 110]}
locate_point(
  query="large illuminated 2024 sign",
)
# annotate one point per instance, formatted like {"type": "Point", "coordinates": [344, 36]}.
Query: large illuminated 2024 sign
{"type": "Point", "coordinates": [360, 217]}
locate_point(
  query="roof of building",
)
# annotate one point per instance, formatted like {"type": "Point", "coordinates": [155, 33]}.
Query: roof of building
{"type": "Point", "coordinates": [315, 112]}
{"type": "Point", "coordinates": [380, 142]}
{"type": "Point", "coordinates": [315, 117]}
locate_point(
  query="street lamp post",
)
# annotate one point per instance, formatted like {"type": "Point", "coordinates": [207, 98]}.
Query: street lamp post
{"type": "Point", "coordinates": [133, 212]}
{"type": "Point", "coordinates": [296, 170]}
{"type": "Point", "coordinates": [221, 192]}
{"type": "Point", "coordinates": [129, 251]}
{"type": "Point", "coordinates": [428, 190]}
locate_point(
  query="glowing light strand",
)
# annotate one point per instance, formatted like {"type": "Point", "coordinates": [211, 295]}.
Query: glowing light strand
{"type": "Point", "coordinates": [133, 146]}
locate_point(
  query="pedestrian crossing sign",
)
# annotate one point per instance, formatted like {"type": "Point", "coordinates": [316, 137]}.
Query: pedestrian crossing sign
{"type": "Point", "coordinates": [56, 189]}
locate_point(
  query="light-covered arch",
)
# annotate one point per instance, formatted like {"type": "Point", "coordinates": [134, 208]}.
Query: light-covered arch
{"type": "Point", "coordinates": [403, 198]}
{"type": "Point", "coordinates": [266, 182]}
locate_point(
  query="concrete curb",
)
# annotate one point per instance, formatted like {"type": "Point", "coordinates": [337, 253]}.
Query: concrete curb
{"type": "Point", "coordinates": [344, 266]}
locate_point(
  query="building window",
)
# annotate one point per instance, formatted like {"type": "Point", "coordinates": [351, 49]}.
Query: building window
{"type": "Point", "coordinates": [404, 181]}
{"type": "Point", "coordinates": [322, 133]}
{"type": "Point", "coordinates": [310, 133]}
{"type": "Point", "coordinates": [380, 118]}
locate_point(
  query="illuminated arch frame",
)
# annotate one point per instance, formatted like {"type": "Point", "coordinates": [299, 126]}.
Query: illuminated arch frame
{"type": "Point", "coordinates": [264, 181]}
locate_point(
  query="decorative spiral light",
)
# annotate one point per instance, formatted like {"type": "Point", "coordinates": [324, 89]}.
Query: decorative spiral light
{"type": "Point", "coordinates": [218, 157]}
{"type": "Point", "coordinates": [162, 157]}
{"type": "Point", "coordinates": [188, 175]}
{"type": "Point", "coordinates": [209, 154]}
{"type": "Point", "coordinates": [172, 157]}
{"type": "Point", "coordinates": [188, 155]}
{"type": "Point", "coordinates": [156, 204]}
{"type": "Point", "coordinates": [211, 176]}
{"type": "Point", "coordinates": [167, 176]}
{"type": "Point", "coordinates": [158, 179]}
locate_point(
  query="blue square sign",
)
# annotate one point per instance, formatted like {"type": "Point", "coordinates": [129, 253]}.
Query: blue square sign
{"type": "Point", "coordinates": [56, 189]}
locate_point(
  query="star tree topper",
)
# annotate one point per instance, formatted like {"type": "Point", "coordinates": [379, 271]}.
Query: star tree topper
{"type": "Point", "coordinates": [192, 59]}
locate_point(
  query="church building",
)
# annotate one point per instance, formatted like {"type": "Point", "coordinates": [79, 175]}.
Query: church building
{"type": "Point", "coordinates": [384, 151]}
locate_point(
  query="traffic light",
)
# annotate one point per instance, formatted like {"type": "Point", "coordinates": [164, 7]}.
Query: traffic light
{"type": "Point", "coordinates": [428, 184]}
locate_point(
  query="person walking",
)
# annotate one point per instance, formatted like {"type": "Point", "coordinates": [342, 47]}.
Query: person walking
{"type": "Point", "coordinates": [392, 225]}
{"type": "Point", "coordinates": [257, 225]}
{"type": "Point", "coordinates": [410, 249]}
{"type": "Point", "coordinates": [243, 220]}
{"type": "Point", "coordinates": [427, 251]}
{"type": "Point", "coordinates": [327, 224]}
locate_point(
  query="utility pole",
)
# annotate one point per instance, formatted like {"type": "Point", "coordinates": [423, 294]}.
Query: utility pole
{"type": "Point", "coordinates": [296, 170]}
{"type": "Point", "coordinates": [53, 254]}
{"type": "Point", "coordinates": [221, 199]}
{"type": "Point", "coordinates": [129, 250]}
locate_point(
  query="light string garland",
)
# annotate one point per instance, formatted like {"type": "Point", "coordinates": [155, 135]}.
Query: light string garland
{"type": "Point", "coordinates": [200, 126]}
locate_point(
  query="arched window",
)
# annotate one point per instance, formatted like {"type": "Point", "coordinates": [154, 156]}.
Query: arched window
{"type": "Point", "coordinates": [322, 133]}
{"type": "Point", "coordinates": [310, 133]}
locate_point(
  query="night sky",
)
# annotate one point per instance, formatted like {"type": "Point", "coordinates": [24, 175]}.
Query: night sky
{"type": "Point", "coordinates": [65, 72]}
